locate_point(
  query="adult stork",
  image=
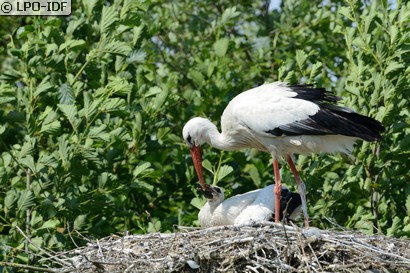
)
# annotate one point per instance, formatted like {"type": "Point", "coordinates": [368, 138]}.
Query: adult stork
{"type": "Point", "coordinates": [247, 208]}
{"type": "Point", "coordinates": [282, 119]}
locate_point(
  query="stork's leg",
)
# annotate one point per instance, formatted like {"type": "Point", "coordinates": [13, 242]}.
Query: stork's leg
{"type": "Point", "coordinates": [277, 189]}
{"type": "Point", "coordinates": [301, 188]}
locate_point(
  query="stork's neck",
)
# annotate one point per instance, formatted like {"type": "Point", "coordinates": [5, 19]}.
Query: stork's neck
{"type": "Point", "coordinates": [216, 139]}
{"type": "Point", "coordinates": [213, 204]}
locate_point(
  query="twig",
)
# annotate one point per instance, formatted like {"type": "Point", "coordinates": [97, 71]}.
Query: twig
{"type": "Point", "coordinates": [82, 236]}
{"type": "Point", "coordinates": [314, 255]}
{"type": "Point", "coordinates": [334, 223]}
{"type": "Point", "coordinates": [40, 249]}
{"type": "Point", "coordinates": [28, 267]}
{"type": "Point", "coordinates": [28, 213]}
{"type": "Point", "coordinates": [372, 249]}
{"type": "Point", "coordinates": [69, 234]}
{"type": "Point", "coordinates": [129, 268]}
{"type": "Point", "coordinates": [252, 268]}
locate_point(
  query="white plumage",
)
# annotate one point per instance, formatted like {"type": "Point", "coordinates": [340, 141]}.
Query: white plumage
{"type": "Point", "coordinates": [282, 120]}
{"type": "Point", "coordinates": [242, 209]}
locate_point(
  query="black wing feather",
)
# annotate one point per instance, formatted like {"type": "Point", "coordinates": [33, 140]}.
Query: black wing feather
{"type": "Point", "coordinates": [331, 119]}
{"type": "Point", "coordinates": [289, 202]}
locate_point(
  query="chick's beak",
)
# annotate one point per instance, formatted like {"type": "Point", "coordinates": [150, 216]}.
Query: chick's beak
{"type": "Point", "coordinates": [209, 192]}
{"type": "Point", "coordinates": [196, 158]}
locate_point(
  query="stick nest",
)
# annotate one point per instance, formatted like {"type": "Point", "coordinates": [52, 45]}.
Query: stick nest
{"type": "Point", "coordinates": [266, 248]}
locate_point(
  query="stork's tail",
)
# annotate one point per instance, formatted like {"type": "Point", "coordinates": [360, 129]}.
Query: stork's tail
{"type": "Point", "coordinates": [290, 204]}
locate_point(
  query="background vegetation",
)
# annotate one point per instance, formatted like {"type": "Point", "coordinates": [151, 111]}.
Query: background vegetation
{"type": "Point", "coordinates": [93, 105]}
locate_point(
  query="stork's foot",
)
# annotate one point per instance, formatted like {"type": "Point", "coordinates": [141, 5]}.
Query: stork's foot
{"type": "Point", "coordinates": [302, 190]}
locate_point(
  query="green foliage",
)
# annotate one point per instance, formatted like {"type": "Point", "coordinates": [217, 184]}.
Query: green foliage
{"type": "Point", "coordinates": [93, 105]}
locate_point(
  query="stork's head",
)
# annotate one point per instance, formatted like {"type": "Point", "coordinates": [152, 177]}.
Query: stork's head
{"type": "Point", "coordinates": [213, 194]}
{"type": "Point", "coordinates": [194, 133]}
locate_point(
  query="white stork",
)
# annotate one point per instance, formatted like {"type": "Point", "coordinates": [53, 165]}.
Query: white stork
{"type": "Point", "coordinates": [281, 119]}
{"type": "Point", "coordinates": [248, 208]}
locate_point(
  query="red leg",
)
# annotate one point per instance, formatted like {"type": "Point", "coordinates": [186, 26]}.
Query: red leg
{"type": "Point", "coordinates": [277, 189]}
{"type": "Point", "coordinates": [301, 188]}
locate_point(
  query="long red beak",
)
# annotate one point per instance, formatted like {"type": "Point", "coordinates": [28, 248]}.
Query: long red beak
{"type": "Point", "coordinates": [196, 158]}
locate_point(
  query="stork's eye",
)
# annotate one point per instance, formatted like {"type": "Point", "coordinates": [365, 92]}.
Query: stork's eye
{"type": "Point", "coordinates": [218, 190]}
{"type": "Point", "coordinates": [189, 138]}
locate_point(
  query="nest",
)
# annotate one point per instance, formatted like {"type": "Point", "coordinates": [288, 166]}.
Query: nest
{"type": "Point", "coordinates": [269, 247]}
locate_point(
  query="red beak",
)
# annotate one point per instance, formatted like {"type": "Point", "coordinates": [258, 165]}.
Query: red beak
{"type": "Point", "coordinates": [196, 158]}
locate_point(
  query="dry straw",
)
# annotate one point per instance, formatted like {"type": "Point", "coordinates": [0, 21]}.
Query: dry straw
{"type": "Point", "coordinates": [268, 247]}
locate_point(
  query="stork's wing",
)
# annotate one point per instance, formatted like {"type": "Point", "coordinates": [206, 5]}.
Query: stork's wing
{"type": "Point", "coordinates": [279, 110]}
{"type": "Point", "coordinates": [260, 209]}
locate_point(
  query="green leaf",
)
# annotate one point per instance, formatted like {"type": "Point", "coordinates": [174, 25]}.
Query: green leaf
{"type": "Point", "coordinates": [113, 104]}
{"type": "Point", "coordinates": [74, 25]}
{"type": "Point", "coordinates": [315, 70]}
{"type": "Point", "coordinates": [404, 15]}
{"type": "Point", "coordinates": [10, 200]}
{"type": "Point", "coordinates": [27, 148]}
{"type": "Point", "coordinates": [154, 226]}
{"type": "Point", "coordinates": [368, 20]}
{"type": "Point", "coordinates": [72, 44]}
{"type": "Point", "coordinates": [207, 165]}
{"type": "Point", "coordinates": [290, 76]}
{"type": "Point", "coordinates": [28, 161]}
{"type": "Point", "coordinates": [116, 47]}
{"type": "Point", "coordinates": [50, 224]}
{"type": "Point", "coordinates": [35, 61]}
{"type": "Point", "coordinates": [51, 49]}
{"type": "Point", "coordinates": [89, 6]}
{"type": "Point", "coordinates": [221, 46]}
{"type": "Point", "coordinates": [120, 134]}
{"type": "Point", "coordinates": [229, 14]}
{"type": "Point", "coordinates": [79, 221]}
{"type": "Point", "coordinates": [137, 56]}
{"type": "Point", "coordinates": [24, 31]}
{"type": "Point", "coordinates": [197, 202]}
{"type": "Point", "coordinates": [43, 87]}
{"type": "Point", "coordinates": [99, 132]}
{"type": "Point", "coordinates": [51, 128]}
{"type": "Point", "coordinates": [108, 18]}
{"type": "Point", "coordinates": [70, 111]}
{"type": "Point", "coordinates": [408, 204]}
{"type": "Point", "coordinates": [155, 90]}
{"type": "Point", "coordinates": [6, 99]}
{"type": "Point", "coordinates": [35, 242]}
{"type": "Point", "coordinates": [25, 200]}
{"type": "Point", "coordinates": [394, 37]}
{"type": "Point", "coordinates": [346, 11]}
{"type": "Point", "coordinates": [137, 34]}
{"type": "Point", "coordinates": [118, 85]}
{"type": "Point", "coordinates": [91, 155]}
{"type": "Point", "coordinates": [66, 94]}
{"type": "Point", "coordinates": [352, 89]}
{"type": "Point", "coordinates": [143, 169]}
{"type": "Point", "coordinates": [224, 171]}
{"type": "Point", "coordinates": [301, 58]}
{"type": "Point", "coordinates": [36, 218]}
{"type": "Point", "coordinates": [142, 186]}
{"type": "Point", "coordinates": [64, 150]}
{"type": "Point", "coordinates": [393, 65]}
{"type": "Point", "coordinates": [395, 227]}
{"type": "Point", "coordinates": [159, 100]}
{"type": "Point", "coordinates": [91, 106]}
{"type": "Point", "coordinates": [254, 174]}
{"type": "Point", "coordinates": [196, 76]}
